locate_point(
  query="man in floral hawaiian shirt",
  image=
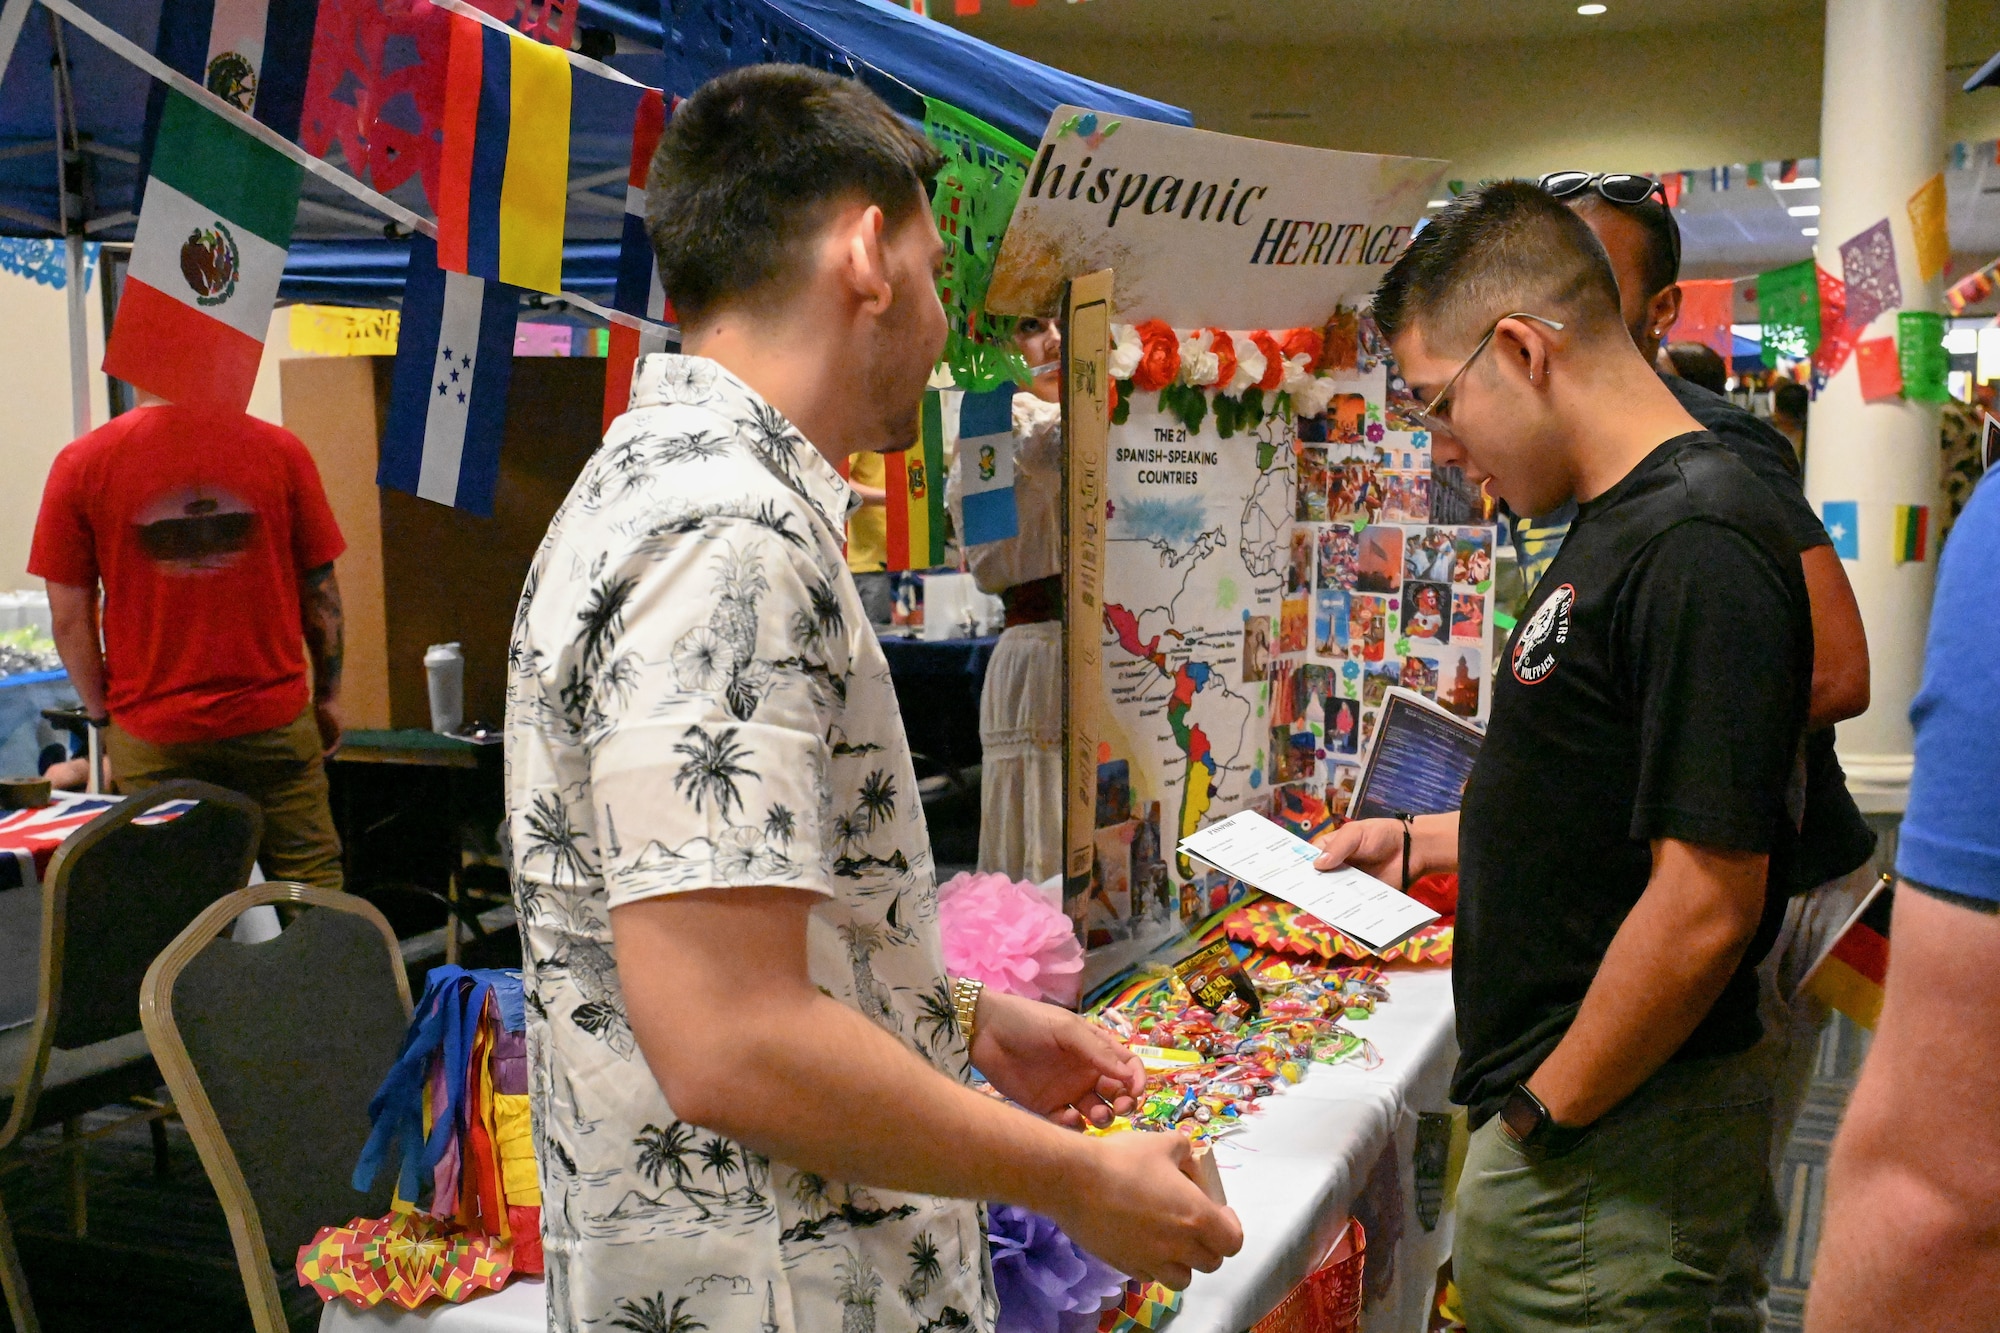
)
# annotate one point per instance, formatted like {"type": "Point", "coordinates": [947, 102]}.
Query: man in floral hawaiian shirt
{"type": "Point", "coordinates": [748, 1074]}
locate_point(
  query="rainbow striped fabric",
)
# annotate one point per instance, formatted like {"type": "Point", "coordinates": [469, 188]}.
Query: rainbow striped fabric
{"type": "Point", "coordinates": [504, 176]}
{"type": "Point", "coordinates": [914, 480]}
{"type": "Point", "coordinates": [1913, 523]}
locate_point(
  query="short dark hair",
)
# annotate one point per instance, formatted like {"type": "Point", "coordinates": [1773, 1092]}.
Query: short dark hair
{"type": "Point", "coordinates": [746, 167]}
{"type": "Point", "coordinates": [1792, 399]}
{"type": "Point", "coordinates": [1661, 263]}
{"type": "Point", "coordinates": [1503, 247]}
{"type": "Point", "coordinates": [1698, 363]}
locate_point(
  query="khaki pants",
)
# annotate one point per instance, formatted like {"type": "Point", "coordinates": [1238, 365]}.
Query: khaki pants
{"type": "Point", "coordinates": [280, 769]}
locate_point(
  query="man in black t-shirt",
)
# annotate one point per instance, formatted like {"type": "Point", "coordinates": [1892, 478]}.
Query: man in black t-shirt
{"type": "Point", "coordinates": [1633, 805]}
{"type": "Point", "coordinates": [1833, 869]}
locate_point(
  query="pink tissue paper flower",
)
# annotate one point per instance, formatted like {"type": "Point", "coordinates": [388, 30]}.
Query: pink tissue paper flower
{"type": "Point", "coordinates": [1006, 934]}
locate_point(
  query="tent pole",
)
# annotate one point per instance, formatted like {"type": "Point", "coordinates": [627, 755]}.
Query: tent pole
{"type": "Point", "coordinates": [12, 18]}
{"type": "Point", "coordinates": [70, 205]}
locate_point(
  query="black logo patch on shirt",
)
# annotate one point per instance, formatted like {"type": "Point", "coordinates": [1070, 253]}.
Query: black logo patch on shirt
{"type": "Point", "coordinates": [1535, 650]}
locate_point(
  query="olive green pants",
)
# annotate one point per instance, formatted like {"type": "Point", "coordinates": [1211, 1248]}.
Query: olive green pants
{"type": "Point", "coordinates": [1629, 1230]}
{"type": "Point", "coordinates": [280, 769]}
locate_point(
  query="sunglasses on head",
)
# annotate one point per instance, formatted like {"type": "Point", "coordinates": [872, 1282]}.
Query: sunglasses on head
{"type": "Point", "coordinates": [1616, 187]}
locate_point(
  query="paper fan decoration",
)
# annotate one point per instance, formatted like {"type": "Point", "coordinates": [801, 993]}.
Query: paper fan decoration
{"type": "Point", "coordinates": [1146, 1306]}
{"type": "Point", "coordinates": [404, 1257]}
{"type": "Point", "coordinates": [1275, 925]}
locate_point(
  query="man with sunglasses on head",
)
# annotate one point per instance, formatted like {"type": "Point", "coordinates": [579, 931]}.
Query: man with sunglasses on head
{"type": "Point", "coordinates": [1834, 866]}
{"type": "Point", "coordinates": [1632, 803]}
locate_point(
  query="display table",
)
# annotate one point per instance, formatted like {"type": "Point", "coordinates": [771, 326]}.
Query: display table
{"type": "Point", "coordinates": [1303, 1163]}
{"type": "Point", "coordinates": [938, 682]}
{"type": "Point", "coordinates": [515, 1308]}
{"type": "Point", "coordinates": [22, 699]}
{"type": "Point", "coordinates": [1306, 1161]}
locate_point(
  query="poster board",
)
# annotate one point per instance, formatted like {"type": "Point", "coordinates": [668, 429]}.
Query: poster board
{"type": "Point", "coordinates": [1219, 689]}
{"type": "Point", "coordinates": [1087, 416]}
{"type": "Point", "coordinates": [1204, 228]}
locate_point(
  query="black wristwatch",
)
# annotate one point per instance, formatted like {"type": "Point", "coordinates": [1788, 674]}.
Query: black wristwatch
{"type": "Point", "coordinates": [1528, 1123]}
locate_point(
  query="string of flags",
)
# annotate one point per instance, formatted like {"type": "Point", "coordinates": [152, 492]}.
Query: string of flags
{"type": "Point", "coordinates": [639, 291]}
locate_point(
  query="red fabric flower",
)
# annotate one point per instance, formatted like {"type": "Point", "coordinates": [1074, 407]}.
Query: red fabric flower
{"type": "Point", "coordinates": [1308, 343]}
{"type": "Point", "coordinates": [1224, 348]}
{"type": "Point", "coordinates": [1274, 360]}
{"type": "Point", "coordinates": [1159, 356]}
{"type": "Point", "coordinates": [1114, 394]}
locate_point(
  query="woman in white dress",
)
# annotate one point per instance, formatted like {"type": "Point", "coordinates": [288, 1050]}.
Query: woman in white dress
{"type": "Point", "coordinates": [1020, 709]}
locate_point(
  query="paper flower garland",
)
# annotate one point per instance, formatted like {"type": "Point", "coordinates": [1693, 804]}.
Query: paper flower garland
{"type": "Point", "coordinates": [1007, 935]}
{"type": "Point", "coordinates": [404, 1257]}
{"type": "Point", "coordinates": [1201, 370]}
{"type": "Point", "coordinates": [1045, 1282]}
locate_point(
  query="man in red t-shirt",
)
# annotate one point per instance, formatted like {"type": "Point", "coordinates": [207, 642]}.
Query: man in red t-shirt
{"type": "Point", "coordinates": [213, 541]}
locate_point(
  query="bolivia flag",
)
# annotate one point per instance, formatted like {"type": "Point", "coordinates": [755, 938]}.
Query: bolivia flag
{"type": "Point", "coordinates": [210, 250]}
{"type": "Point", "coordinates": [639, 291]}
{"type": "Point", "coordinates": [914, 480]}
{"type": "Point", "coordinates": [1912, 528]}
{"type": "Point", "coordinates": [1850, 976]}
{"type": "Point", "coordinates": [505, 168]}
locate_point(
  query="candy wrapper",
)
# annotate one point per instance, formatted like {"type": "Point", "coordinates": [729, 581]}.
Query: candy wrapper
{"type": "Point", "coordinates": [1006, 934]}
{"type": "Point", "coordinates": [1046, 1283]}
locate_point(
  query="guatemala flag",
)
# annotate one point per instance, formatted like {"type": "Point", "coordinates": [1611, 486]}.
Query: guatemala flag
{"type": "Point", "coordinates": [986, 443]}
{"type": "Point", "coordinates": [448, 403]}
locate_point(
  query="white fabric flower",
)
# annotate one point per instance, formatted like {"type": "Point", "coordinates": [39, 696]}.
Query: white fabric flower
{"type": "Point", "coordinates": [1298, 377]}
{"type": "Point", "coordinates": [1250, 363]}
{"type": "Point", "coordinates": [1125, 351]}
{"type": "Point", "coordinates": [1311, 400]}
{"type": "Point", "coordinates": [1199, 363]}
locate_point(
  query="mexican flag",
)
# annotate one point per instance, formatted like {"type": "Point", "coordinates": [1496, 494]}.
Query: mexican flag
{"type": "Point", "coordinates": [210, 249]}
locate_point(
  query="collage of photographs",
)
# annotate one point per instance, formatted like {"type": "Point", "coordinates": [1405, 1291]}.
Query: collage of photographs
{"type": "Point", "coordinates": [1386, 584]}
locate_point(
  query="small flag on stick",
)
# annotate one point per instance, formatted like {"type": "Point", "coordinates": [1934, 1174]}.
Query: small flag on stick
{"type": "Point", "coordinates": [1912, 531]}
{"type": "Point", "coordinates": [638, 291]}
{"type": "Point", "coordinates": [1850, 975]}
{"type": "Point", "coordinates": [914, 480]}
{"type": "Point", "coordinates": [986, 439]}
{"type": "Point", "coordinates": [210, 250]}
{"type": "Point", "coordinates": [505, 171]}
{"type": "Point", "coordinates": [448, 400]}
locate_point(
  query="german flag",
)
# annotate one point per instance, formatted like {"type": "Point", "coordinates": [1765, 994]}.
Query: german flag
{"type": "Point", "coordinates": [914, 480]}
{"type": "Point", "coordinates": [1850, 976]}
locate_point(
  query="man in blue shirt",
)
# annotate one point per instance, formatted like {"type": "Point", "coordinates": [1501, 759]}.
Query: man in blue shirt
{"type": "Point", "coordinates": [1913, 1192]}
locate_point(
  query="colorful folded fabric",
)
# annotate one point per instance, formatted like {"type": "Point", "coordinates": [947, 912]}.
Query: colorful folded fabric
{"type": "Point", "coordinates": [406, 1258]}
{"type": "Point", "coordinates": [1270, 924]}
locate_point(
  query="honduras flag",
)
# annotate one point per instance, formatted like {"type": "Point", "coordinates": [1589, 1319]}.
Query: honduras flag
{"type": "Point", "coordinates": [986, 443]}
{"type": "Point", "coordinates": [448, 401]}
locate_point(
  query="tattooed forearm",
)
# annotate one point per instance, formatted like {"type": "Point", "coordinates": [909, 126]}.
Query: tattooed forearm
{"type": "Point", "coordinates": [319, 610]}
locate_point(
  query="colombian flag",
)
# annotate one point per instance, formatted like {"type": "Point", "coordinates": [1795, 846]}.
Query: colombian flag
{"type": "Point", "coordinates": [915, 482]}
{"type": "Point", "coordinates": [1912, 530]}
{"type": "Point", "coordinates": [1849, 978]}
{"type": "Point", "coordinates": [505, 166]}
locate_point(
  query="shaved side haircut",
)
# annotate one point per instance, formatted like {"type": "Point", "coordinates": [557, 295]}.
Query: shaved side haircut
{"type": "Point", "coordinates": [1504, 247]}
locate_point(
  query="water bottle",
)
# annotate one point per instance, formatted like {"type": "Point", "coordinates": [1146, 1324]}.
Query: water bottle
{"type": "Point", "coordinates": [444, 671]}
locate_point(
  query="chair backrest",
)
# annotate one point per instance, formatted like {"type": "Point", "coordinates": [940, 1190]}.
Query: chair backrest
{"type": "Point", "coordinates": [123, 887]}
{"type": "Point", "coordinates": [272, 1052]}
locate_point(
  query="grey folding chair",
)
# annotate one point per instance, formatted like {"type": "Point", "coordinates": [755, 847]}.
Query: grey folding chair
{"type": "Point", "coordinates": [118, 891]}
{"type": "Point", "coordinates": [272, 1052]}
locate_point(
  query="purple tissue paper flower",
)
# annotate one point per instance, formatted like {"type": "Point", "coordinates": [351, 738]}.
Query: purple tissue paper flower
{"type": "Point", "coordinates": [1046, 1283]}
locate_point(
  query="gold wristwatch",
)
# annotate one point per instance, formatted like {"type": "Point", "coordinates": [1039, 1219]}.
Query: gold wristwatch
{"type": "Point", "coordinates": [965, 993]}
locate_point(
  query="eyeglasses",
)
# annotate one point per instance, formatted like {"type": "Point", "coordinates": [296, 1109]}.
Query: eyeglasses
{"type": "Point", "coordinates": [1617, 187]}
{"type": "Point", "coordinates": [1434, 415]}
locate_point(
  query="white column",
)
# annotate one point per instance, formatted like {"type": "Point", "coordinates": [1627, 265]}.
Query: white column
{"type": "Point", "coordinates": [1881, 136]}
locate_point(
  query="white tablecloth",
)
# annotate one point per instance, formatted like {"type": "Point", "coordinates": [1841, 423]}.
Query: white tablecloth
{"type": "Point", "coordinates": [515, 1308]}
{"type": "Point", "coordinates": [1293, 1175]}
{"type": "Point", "coordinates": [1304, 1160]}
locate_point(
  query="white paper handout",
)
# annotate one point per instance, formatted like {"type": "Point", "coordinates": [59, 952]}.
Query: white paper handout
{"type": "Point", "coordinates": [1265, 856]}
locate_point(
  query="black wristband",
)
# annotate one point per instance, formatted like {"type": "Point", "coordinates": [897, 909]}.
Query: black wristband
{"type": "Point", "coordinates": [99, 722]}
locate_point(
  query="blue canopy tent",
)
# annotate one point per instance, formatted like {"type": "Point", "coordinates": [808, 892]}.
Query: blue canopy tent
{"type": "Point", "coordinates": [894, 51]}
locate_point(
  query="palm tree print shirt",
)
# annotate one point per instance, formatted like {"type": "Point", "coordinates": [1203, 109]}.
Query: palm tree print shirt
{"type": "Point", "coordinates": [696, 700]}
